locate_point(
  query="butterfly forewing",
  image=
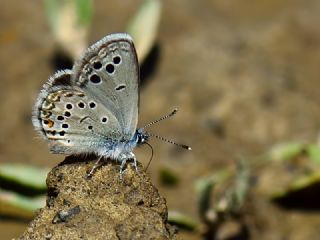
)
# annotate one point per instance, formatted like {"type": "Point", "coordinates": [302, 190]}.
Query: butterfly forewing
{"type": "Point", "coordinates": [109, 73]}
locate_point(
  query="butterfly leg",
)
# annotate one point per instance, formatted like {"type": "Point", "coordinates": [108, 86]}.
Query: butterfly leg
{"type": "Point", "coordinates": [95, 166]}
{"type": "Point", "coordinates": [124, 160]}
{"type": "Point", "coordinates": [133, 157]}
{"type": "Point", "coordinates": [123, 163]}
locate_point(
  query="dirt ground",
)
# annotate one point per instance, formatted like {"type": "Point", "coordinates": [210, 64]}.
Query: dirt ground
{"type": "Point", "coordinates": [244, 74]}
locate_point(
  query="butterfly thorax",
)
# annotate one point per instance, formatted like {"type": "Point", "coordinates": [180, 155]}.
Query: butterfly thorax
{"type": "Point", "coordinates": [121, 148]}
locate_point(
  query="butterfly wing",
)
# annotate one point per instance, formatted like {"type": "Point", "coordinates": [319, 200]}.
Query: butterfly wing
{"type": "Point", "coordinates": [109, 72]}
{"type": "Point", "coordinates": [89, 108]}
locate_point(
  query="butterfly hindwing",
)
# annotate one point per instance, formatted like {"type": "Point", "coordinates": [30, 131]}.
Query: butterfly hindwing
{"type": "Point", "coordinates": [63, 115]}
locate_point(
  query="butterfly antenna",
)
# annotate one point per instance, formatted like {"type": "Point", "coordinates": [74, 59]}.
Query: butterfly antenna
{"type": "Point", "coordinates": [170, 141]}
{"type": "Point", "coordinates": [162, 118]}
{"type": "Point", "coordinates": [151, 155]}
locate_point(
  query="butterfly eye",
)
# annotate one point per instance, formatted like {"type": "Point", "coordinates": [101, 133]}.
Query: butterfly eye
{"type": "Point", "coordinates": [65, 125]}
{"type": "Point", "coordinates": [67, 114]}
{"type": "Point", "coordinates": [60, 118]}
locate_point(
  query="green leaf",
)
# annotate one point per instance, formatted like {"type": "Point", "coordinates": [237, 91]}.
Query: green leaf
{"type": "Point", "coordinates": [13, 204]}
{"type": "Point", "coordinates": [182, 220]}
{"type": "Point", "coordinates": [144, 26]}
{"type": "Point", "coordinates": [286, 151]}
{"type": "Point", "coordinates": [168, 176]}
{"type": "Point", "coordinates": [24, 175]}
{"type": "Point", "coordinates": [69, 21]}
{"type": "Point", "coordinates": [313, 151]}
{"type": "Point", "coordinates": [84, 10]}
{"type": "Point", "coordinates": [204, 187]}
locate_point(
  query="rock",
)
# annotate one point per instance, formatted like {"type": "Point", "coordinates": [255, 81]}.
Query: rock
{"type": "Point", "coordinates": [100, 207]}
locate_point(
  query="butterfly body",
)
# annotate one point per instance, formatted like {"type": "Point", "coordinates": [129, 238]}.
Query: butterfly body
{"type": "Point", "coordinates": [93, 108]}
{"type": "Point", "coordinates": [121, 149]}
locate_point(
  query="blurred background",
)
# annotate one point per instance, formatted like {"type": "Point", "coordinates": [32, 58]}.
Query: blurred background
{"type": "Point", "coordinates": [245, 76]}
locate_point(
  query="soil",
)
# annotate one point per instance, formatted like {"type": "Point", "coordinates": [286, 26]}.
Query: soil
{"type": "Point", "coordinates": [129, 207]}
{"type": "Point", "coordinates": [244, 74]}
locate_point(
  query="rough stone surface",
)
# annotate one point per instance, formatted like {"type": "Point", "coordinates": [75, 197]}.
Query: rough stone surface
{"type": "Point", "coordinates": [102, 207]}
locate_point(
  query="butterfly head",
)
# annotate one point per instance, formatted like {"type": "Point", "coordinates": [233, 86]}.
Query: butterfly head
{"type": "Point", "coordinates": [142, 136]}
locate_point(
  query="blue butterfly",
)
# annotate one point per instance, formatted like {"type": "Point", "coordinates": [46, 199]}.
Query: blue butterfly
{"type": "Point", "coordinates": [93, 108]}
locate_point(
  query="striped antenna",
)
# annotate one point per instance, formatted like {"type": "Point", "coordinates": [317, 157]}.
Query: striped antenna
{"type": "Point", "coordinates": [162, 118]}
{"type": "Point", "coordinates": [170, 141]}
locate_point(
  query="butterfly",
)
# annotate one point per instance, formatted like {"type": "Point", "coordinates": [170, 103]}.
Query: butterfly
{"type": "Point", "coordinates": [94, 107]}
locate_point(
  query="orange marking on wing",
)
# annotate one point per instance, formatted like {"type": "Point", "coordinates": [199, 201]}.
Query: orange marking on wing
{"type": "Point", "coordinates": [50, 123]}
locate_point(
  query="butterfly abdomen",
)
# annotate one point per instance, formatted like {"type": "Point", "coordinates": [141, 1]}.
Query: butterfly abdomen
{"type": "Point", "coordinates": [117, 149]}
